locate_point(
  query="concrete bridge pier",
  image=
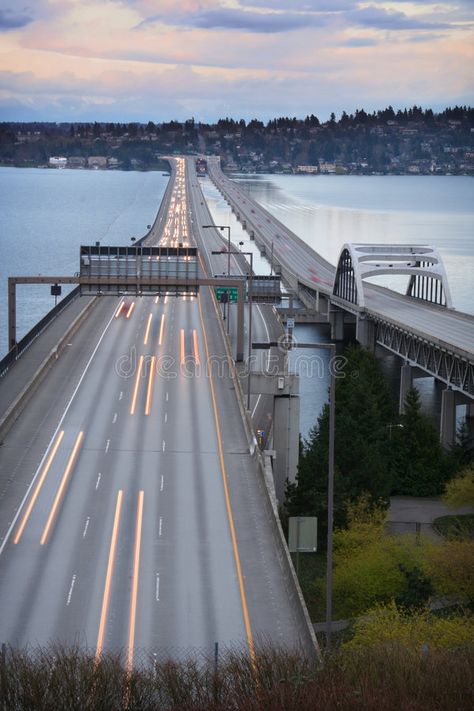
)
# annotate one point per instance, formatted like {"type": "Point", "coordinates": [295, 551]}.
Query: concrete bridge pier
{"type": "Point", "coordinates": [336, 319]}
{"type": "Point", "coordinates": [448, 418]}
{"type": "Point", "coordinates": [406, 384]}
{"type": "Point", "coordinates": [284, 387]}
{"type": "Point", "coordinates": [365, 332]}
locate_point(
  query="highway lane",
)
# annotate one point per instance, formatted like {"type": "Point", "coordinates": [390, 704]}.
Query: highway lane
{"type": "Point", "coordinates": [132, 533]}
{"type": "Point", "coordinates": [445, 326]}
{"type": "Point", "coordinates": [124, 540]}
{"type": "Point", "coordinates": [264, 327]}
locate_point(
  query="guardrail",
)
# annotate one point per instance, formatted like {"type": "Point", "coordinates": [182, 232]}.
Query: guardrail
{"type": "Point", "coordinates": [15, 352]}
{"type": "Point", "coordinates": [15, 408]}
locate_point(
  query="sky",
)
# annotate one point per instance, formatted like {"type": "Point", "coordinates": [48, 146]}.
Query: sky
{"type": "Point", "coordinates": [141, 60]}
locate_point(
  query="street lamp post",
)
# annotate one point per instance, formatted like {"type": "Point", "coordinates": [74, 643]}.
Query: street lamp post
{"type": "Point", "coordinates": [250, 295]}
{"type": "Point", "coordinates": [222, 228]}
{"type": "Point", "coordinates": [250, 254]}
{"type": "Point", "coordinates": [390, 428]}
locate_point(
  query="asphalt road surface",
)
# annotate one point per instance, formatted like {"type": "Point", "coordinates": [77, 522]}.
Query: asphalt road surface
{"type": "Point", "coordinates": [143, 528]}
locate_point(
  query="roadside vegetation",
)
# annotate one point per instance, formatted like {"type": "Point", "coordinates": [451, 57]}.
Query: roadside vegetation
{"type": "Point", "coordinates": [411, 596]}
{"type": "Point", "coordinates": [377, 671]}
{"type": "Point", "coordinates": [378, 453]}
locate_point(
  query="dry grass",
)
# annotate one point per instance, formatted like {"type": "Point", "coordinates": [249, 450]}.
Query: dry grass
{"type": "Point", "coordinates": [378, 679]}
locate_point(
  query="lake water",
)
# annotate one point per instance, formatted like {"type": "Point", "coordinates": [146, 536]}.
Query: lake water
{"type": "Point", "coordinates": [45, 215]}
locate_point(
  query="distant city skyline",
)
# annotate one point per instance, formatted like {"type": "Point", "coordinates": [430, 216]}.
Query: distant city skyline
{"type": "Point", "coordinates": [140, 60]}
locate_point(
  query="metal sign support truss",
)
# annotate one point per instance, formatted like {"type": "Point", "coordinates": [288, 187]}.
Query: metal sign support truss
{"type": "Point", "coordinates": [148, 286]}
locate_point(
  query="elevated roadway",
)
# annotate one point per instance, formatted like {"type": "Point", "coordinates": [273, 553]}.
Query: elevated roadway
{"type": "Point", "coordinates": [145, 527]}
{"type": "Point", "coordinates": [403, 324]}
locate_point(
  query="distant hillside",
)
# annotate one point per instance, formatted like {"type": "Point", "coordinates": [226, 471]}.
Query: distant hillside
{"type": "Point", "coordinates": [412, 141]}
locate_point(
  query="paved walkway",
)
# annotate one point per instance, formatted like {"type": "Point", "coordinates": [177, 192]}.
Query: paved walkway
{"type": "Point", "coordinates": [406, 512]}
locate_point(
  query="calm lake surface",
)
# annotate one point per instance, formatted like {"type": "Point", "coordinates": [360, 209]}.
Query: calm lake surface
{"type": "Point", "coordinates": [45, 215]}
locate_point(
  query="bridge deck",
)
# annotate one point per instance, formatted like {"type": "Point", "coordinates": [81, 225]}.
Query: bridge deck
{"type": "Point", "coordinates": [447, 328]}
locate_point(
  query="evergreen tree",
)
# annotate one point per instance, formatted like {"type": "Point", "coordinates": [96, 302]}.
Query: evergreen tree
{"type": "Point", "coordinates": [419, 464]}
{"type": "Point", "coordinates": [364, 407]}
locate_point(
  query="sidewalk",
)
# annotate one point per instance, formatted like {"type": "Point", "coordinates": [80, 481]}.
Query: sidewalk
{"type": "Point", "coordinates": [406, 512]}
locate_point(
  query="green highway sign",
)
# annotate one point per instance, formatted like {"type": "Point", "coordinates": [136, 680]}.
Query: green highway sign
{"type": "Point", "coordinates": [231, 291]}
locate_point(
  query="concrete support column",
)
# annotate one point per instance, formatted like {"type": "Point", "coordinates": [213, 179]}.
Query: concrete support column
{"type": "Point", "coordinates": [286, 441]}
{"type": "Point", "coordinates": [470, 412]}
{"type": "Point", "coordinates": [365, 333]}
{"type": "Point", "coordinates": [336, 319]}
{"type": "Point", "coordinates": [406, 384]}
{"type": "Point", "coordinates": [448, 418]}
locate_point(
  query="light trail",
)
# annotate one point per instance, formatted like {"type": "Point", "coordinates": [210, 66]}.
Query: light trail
{"type": "Point", "coordinates": [62, 486]}
{"type": "Point", "coordinates": [108, 577]}
{"type": "Point", "coordinates": [136, 570]}
{"type": "Point", "coordinates": [196, 347]}
{"type": "Point", "coordinates": [38, 488]}
{"type": "Point", "coordinates": [151, 378]}
{"type": "Point", "coordinates": [181, 346]}
{"type": "Point", "coordinates": [162, 327]}
{"type": "Point", "coordinates": [137, 383]}
{"type": "Point", "coordinates": [147, 331]}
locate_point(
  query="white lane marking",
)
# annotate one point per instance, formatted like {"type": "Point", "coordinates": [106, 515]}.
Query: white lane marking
{"type": "Point", "coordinates": [160, 528]}
{"type": "Point", "coordinates": [162, 483]}
{"type": "Point", "coordinates": [121, 395]}
{"type": "Point", "coordinates": [73, 582]}
{"type": "Point", "coordinates": [107, 446]}
{"type": "Point", "coordinates": [98, 480]}
{"type": "Point", "coordinates": [164, 445]}
{"type": "Point", "coordinates": [166, 417]}
{"type": "Point", "coordinates": [157, 590]}
{"type": "Point", "coordinates": [53, 438]}
{"type": "Point", "coordinates": [167, 396]}
{"type": "Point", "coordinates": [86, 526]}
{"type": "Point", "coordinates": [114, 419]}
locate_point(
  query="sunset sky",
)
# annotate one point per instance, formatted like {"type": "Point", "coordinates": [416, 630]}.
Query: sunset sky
{"type": "Point", "coordinates": [136, 60]}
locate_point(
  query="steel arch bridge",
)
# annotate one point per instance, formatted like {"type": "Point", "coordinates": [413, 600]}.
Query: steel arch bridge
{"type": "Point", "coordinates": [422, 264]}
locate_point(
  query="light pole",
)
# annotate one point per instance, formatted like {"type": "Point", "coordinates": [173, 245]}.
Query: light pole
{"type": "Point", "coordinates": [391, 426]}
{"type": "Point", "coordinates": [250, 254]}
{"type": "Point", "coordinates": [250, 294]}
{"type": "Point", "coordinates": [222, 228]}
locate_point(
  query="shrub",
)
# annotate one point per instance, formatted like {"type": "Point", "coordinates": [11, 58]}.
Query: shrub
{"type": "Point", "coordinates": [417, 632]}
{"type": "Point", "coordinates": [451, 568]}
{"type": "Point", "coordinates": [460, 490]}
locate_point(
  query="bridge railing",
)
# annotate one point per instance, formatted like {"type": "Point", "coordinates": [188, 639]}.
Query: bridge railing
{"type": "Point", "coordinates": [15, 352]}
